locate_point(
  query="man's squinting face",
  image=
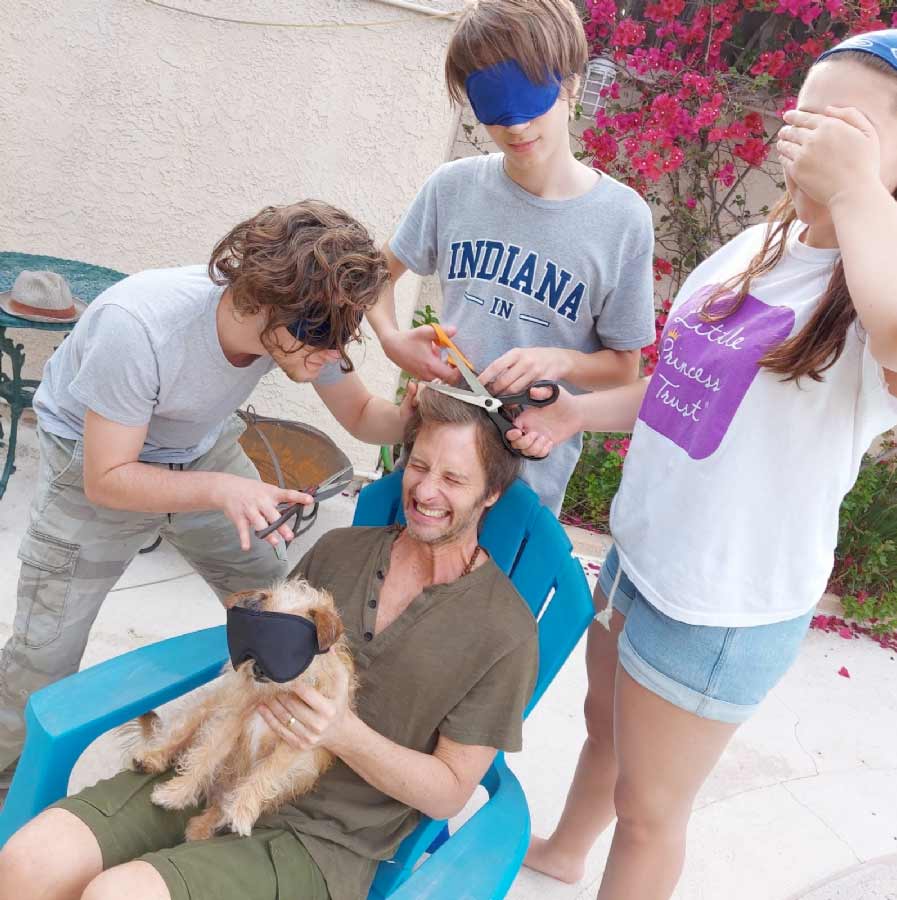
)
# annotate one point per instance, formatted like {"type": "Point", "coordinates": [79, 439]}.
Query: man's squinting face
{"type": "Point", "coordinates": [303, 364]}
{"type": "Point", "coordinates": [444, 484]}
{"type": "Point", "coordinates": [846, 83]}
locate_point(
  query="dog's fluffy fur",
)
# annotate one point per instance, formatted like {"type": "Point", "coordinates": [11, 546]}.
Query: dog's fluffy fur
{"type": "Point", "coordinates": [222, 749]}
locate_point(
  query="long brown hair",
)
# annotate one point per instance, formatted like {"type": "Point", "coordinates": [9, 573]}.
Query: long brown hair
{"type": "Point", "coordinates": [820, 343]}
{"type": "Point", "coordinates": [308, 261]}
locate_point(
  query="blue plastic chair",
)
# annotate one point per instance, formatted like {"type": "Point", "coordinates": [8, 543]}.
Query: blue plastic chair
{"type": "Point", "coordinates": [483, 857]}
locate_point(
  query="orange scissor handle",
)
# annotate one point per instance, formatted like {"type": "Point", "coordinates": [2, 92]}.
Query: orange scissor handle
{"type": "Point", "coordinates": [445, 341]}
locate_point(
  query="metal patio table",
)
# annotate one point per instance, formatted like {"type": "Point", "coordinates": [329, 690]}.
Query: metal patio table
{"type": "Point", "coordinates": [86, 282]}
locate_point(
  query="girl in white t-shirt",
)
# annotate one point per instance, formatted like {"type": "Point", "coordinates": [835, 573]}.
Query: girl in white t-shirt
{"type": "Point", "coordinates": [777, 367]}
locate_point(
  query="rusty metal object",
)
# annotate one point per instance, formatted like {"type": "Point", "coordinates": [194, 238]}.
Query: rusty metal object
{"type": "Point", "coordinates": [303, 455]}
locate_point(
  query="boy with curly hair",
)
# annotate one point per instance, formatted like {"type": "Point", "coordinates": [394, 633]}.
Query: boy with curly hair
{"type": "Point", "coordinates": [138, 437]}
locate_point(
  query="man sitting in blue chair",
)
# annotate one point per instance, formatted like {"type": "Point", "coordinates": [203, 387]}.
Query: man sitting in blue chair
{"type": "Point", "coordinates": [446, 654]}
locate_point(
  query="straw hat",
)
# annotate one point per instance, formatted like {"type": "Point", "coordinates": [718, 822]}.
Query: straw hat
{"type": "Point", "coordinates": [41, 297]}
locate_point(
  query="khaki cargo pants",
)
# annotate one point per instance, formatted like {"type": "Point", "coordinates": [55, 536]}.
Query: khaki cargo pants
{"type": "Point", "coordinates": [74, 552]}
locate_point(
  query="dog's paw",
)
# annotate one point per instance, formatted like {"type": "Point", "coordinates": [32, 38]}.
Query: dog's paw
{"type": "Point", "coordinates": [203, 827]}
{"type": "Point", "coordinates": [177, 793]}
{"type": "Point", "coordinates": [151, 762]}
{"type": "Point", "coordinates": [238, 816]}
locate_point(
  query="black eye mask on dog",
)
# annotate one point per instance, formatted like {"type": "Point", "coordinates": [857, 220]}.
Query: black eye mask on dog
{"type": "Point", "coordinates": [281, 646]}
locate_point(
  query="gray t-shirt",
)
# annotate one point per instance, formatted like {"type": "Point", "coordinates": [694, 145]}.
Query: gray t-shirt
{"type": "Point", "coordinates": [520, 271]}
{"type": "Point", "coordinates": [146, 352]}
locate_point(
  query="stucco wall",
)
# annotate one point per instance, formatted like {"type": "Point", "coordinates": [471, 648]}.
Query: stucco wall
{"type": "Point", "coordinates": [135, 136]}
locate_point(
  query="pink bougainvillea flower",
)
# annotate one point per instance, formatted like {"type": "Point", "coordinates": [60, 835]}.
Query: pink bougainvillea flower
{"type": "Point", "coordinates": [843, 672]}
{"type": "Point", "coordinates": [726, 174]}
{"type": "Point", "coordinates": [754, 123]}
{"type": "Point", "coordinates": [629, 33]}
{"type": "Point", "coordinates": [753, 151]}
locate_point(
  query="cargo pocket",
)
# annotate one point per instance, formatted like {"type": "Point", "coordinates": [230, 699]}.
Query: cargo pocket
{"type": "Point", "coordinates": [111, 795]}
{"type": "Point", "coordinates": [298, 876]}
{"type": "Point", "coordinates": [67, 472]}
{"type": "Point", "coordinates": [48, 565]}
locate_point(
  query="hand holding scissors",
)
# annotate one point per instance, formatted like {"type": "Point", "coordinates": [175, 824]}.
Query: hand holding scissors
{"type": "Point", "coordinates": [502, 409]}
{"type": "Point", "coordinates": [330, 487]}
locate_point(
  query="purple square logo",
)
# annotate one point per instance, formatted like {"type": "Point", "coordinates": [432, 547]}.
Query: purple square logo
{"type": "Point", "coordinates": [704, 369]}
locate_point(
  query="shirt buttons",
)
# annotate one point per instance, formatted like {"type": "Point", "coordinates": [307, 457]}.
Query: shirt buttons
{"type": "Point", "coordinates": [380, 574]}
{"type": "Point", "coordinates": [368, 636]}
{"type": "Point", "coordinates": [372, 604]}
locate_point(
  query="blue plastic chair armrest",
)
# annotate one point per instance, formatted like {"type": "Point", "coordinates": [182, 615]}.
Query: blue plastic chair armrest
{"type": "Point", "coordinates": [380, 503]}
{"type": "Point", "coordinates": [481, 859]}
{"type": "Point", "coordinates": [63, 718]}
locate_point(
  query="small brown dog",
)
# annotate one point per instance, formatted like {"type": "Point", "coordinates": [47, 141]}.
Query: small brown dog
{"type": "Point", "coordinates": [222, 749]}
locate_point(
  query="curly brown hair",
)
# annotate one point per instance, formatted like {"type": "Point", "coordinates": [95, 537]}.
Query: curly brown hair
{"type": "Point", "coordinates": [307, 261]}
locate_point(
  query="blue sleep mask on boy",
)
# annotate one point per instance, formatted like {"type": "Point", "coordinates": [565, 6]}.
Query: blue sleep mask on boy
{"type": "Point", "coordinates": [882, 44]}
{"type": "Point", "coordinates": [503, 94]}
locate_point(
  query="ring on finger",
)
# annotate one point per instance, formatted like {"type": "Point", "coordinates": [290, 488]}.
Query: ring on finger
{"type": "Point", "coordinates": [290, 722]}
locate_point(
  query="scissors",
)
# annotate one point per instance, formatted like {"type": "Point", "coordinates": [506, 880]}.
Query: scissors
{"type": "Point", "coordinates": [498, 408]}
{"type": "Point", "coordinates": [329, 487]}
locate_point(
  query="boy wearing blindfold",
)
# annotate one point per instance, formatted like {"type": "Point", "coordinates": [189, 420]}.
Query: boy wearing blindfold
{"type": "Point", "coordinates": [137, 432]}
{"type": "Point", "coordinates": [545, 264]}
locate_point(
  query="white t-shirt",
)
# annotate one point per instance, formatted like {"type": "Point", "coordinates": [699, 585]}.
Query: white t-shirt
{"type": "Point", "coordinates": [727, 513]}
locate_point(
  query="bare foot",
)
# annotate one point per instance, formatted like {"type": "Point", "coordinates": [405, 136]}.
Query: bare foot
{"type": "Point", "coordinates": [544, 858]}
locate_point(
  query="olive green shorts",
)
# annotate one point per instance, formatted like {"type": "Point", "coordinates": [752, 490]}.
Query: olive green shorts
{"type": "Point", "coordinates": [270, 864]}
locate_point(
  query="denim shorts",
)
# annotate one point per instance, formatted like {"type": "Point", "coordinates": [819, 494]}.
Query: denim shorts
{"type": "Point", "coordinates": [714, 672]}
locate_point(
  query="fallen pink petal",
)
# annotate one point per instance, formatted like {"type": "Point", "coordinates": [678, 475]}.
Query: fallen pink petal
{"type": "Point", "coordinates": [843, 672]}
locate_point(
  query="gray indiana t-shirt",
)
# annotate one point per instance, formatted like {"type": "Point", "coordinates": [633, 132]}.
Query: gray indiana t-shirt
{"type": "Point", "coordinates": [520, 271]}
{"type": "Point", "coordinates": [146, 352]}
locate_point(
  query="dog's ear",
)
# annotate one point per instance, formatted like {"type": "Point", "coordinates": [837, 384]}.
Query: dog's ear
{"type": "Point", "coordinates": [328, 624]}
{"type": "Point", "coordinates": [247, 599]}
